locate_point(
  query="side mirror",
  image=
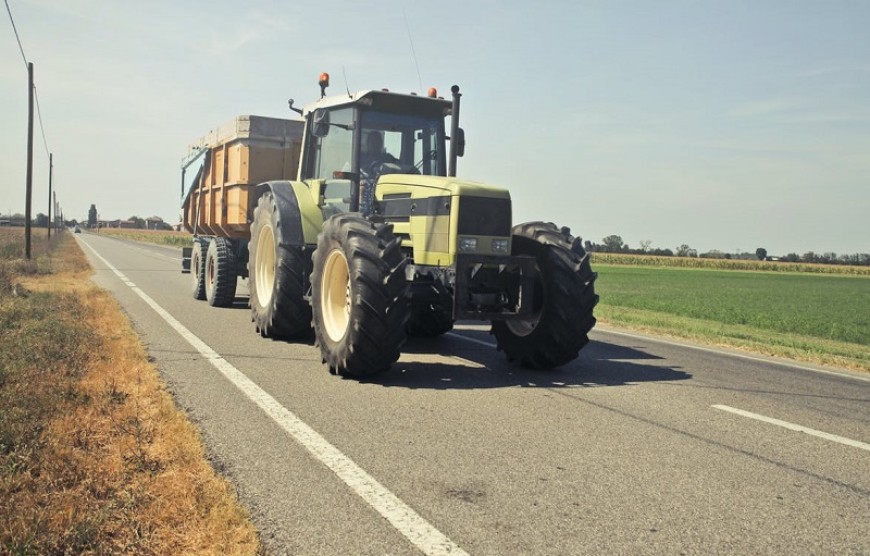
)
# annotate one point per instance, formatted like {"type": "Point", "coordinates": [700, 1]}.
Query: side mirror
{"type": "Point", "coordinates": [320, 123]}
{"type": "Point", "coordinates": [460, 141]}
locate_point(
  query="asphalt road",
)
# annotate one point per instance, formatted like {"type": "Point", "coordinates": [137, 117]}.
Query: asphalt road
{"type": "Point", "coordinates": [641, 446]}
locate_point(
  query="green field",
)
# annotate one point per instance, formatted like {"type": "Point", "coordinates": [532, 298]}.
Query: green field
{"type": "Point", "coordinates": [817, 317]}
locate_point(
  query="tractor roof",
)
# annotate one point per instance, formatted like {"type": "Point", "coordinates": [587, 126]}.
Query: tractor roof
{"type": "Point", "coordinates": [386, 101]}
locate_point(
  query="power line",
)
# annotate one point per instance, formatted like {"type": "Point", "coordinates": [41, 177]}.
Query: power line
{"type": "Point", "coordinates": [17, 38]}
{"type": "Point", "coordinates": [39, 117]}
{"type": "Point", "coordinates": [35, 96]}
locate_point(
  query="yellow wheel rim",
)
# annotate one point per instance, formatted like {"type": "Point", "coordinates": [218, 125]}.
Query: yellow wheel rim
{"type": "Point", "coordinates": [335, 295]}
{"type": "Point", "coordinates": [264, 266]}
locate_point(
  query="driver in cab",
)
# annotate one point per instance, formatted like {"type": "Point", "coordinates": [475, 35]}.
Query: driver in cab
{"type": "Point", "coordinates": [373, 157]}
{"type": "Point", "coordinates": [372, 153]}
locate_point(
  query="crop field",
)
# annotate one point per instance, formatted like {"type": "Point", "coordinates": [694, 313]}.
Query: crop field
{"type": "Point", "coordinates": [807, 312]}
{"type": "Point", "coordinates": [726, 264]}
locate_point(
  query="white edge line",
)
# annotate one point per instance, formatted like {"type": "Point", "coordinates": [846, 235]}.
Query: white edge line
{"type": "Point", "coordinates": [794, 427]}
{"type": "Point", "coordinates": [472, 340]}
{"type": "Point", "coordinates": [401, 516]}
{"type": "Point", "coordinates": [771, 361]}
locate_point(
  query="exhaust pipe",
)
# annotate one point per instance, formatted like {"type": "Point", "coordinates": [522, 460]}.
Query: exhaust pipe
{"type": "Point", "coordinates": [454, 131]}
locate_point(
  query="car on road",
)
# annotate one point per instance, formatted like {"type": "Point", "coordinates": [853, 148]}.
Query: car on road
{"type": "Point", "coordinates": [77, 230]}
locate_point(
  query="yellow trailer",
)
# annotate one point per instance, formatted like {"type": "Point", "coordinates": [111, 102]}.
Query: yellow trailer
{"type": "Point", "coordinates": [223, 166]}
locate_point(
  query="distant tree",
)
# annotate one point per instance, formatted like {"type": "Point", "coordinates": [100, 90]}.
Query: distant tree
{"type": "Point", "coordinates": [138, 222]}
{"type": "Point", "coordinates": [92, 216]}
{"type": "Point", "coordinates": [686, 251]}
{"type": "Point", "coordinates": [613, 243]}
{"type": "Point", "coordinates": [792, 258]}
{"type": "Point", "coordinates": [809, 257]}
{"type": "Point", "coordinates": [645, 245]}
{"type": "Point", "coordinates": [41, 220]}
{"type": "Point", "coordinates": [761, 253]}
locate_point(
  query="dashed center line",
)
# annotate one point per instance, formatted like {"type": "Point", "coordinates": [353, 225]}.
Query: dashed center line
{"type": "Point", "coordinates": [794, 427]}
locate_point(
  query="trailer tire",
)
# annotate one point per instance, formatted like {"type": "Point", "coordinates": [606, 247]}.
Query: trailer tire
{"type": "Point", "coordinates": [276, 277]}
{"type": "Point", "coordinates": [358, 295]}
{"type": "Point", "coordinates": [564, 298]}
{"type": "Point", "coordinates": [197, 267]}
{"type": "Point", "coordinates": [220, 273]}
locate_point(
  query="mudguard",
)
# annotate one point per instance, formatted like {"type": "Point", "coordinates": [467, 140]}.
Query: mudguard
{"type": "Point", "coordinates": [301, 219]}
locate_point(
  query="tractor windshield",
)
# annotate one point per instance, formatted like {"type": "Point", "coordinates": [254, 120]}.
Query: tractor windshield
{"type": "Point", "coordinates": [401, 144]}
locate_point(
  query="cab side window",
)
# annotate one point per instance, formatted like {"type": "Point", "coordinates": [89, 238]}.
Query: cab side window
{"type": "Point", "coordinates": [332, 153]}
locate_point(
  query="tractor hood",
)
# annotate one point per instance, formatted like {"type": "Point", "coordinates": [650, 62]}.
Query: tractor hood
{"type": "Point", "coordinates": [436, 186]}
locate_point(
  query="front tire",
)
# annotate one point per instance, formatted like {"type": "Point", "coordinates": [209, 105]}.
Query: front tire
{"type": "Point", "coordinates": [221, 274]}
{"type": "Point", "coordinates": [276, 274]}
{"type": "Point", "coordinates": [564, 297]}
{"type": "Point", "coordinates": [358, 295]}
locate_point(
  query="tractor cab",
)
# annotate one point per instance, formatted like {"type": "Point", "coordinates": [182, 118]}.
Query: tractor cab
{"type": "Point", "coordinates": [350, 141]}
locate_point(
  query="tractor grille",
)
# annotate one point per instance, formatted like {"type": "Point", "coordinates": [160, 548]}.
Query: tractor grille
{"type": "Point", "coordinates": [484, 216]}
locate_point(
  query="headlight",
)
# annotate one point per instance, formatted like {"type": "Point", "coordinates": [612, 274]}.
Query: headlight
{"type": "Point", "coordinates": [500, 245]}
{"type": "Point", "coordinates": [468, 244]}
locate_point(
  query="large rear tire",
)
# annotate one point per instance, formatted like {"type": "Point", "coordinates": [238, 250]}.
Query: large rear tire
{"type": "Point", "coordinates": [221, 274]}
{"type": "Point", "coordinates": [197, 267]}
{"type": "Point", "coordinates": [276, 274]}
{"type": "Point", "coordinates": [358, 295]}
{"type": "Point", "coordinates": [564, 297]}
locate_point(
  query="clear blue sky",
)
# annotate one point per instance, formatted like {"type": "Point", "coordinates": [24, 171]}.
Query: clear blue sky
{"type": "Point", "coordinates": [724, 125]}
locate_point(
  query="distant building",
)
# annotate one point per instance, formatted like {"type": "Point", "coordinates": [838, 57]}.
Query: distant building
{"type": "Point", "coordinates": [12, 221]}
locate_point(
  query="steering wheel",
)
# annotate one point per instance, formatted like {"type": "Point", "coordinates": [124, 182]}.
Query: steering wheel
{"type": "Point", "coordinates": [382, 166]}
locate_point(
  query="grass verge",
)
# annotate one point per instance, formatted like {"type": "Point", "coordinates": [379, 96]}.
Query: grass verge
{"type": "Point", "coordinates": [94, 457]}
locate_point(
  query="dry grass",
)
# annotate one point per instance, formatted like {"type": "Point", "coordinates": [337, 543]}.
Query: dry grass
{"type": "Point", "coordinates": [94, 457]}
{"type": "Point", "coordinates": [160, 237]}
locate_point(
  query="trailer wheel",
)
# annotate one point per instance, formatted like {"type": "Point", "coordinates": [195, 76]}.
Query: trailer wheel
{"type": "Point", "coordinates": [220, 273]}
{"type": "Point", "coordinates": [276, 277]}
{"type": "Point", "coordinates": [358, 295]}
{"type": "Point", "coordinates": [564, 297]}
{"type": "Point", "coordinates": [197, 268]}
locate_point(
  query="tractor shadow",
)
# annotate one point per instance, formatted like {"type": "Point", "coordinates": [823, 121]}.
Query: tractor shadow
{"type": "Point", "coordinates": [452, 363]}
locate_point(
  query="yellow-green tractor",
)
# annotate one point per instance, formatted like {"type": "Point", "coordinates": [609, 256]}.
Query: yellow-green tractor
{"type": "Point", "coordinates": [376, 239]}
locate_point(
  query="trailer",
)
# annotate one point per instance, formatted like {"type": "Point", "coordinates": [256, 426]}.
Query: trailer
{"type": "Point", "coordinates": [219, 178]}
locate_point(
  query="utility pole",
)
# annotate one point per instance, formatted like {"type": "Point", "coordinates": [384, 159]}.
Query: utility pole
{"type": "Point", "coordinates": [50, 198]}
{"type": "Point", "coordinates": [29, 160]}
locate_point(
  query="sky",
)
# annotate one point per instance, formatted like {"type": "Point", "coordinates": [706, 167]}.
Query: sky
{"type": "Point", "coordinates": [722, 125]}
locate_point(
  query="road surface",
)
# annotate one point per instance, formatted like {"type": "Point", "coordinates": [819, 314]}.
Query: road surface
{"type": "Point", "coordinates": [641, 446]}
